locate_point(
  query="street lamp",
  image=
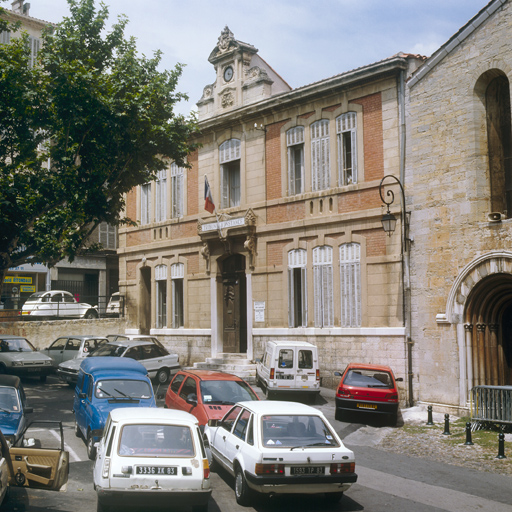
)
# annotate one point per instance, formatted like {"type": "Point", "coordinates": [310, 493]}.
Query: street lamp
{"type": "Point", "coordinates": [389, 224]}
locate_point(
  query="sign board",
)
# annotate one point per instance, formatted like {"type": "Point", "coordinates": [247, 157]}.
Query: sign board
{"type": "Point", "coordinates": [17, 280]}
{"type": "Point", "coordinates": [25, 288]}
{"type": "Point", "coordinates": [214, 226]}
{"type": "Point", "coordinates": [259, 311]}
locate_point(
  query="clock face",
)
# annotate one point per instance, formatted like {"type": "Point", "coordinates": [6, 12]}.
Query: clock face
{"type": "Point", "coordinates": [228, 73]}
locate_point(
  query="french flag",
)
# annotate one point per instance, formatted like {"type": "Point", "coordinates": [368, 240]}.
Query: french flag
{"type": "Point", "coordinates": [209, 205]}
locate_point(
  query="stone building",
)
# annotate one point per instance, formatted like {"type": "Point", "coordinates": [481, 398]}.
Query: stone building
{"type": "Point", "coordinates": [295, 247]}
{"type": "Point", "coordinates": [459, 187]}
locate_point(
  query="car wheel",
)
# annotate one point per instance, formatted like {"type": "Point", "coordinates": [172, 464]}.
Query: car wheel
{"type": "Point", "coordinates": [91, 449]}
{"type": "Point", "coordinates": [77, 430]}
{"type": "Point", "coordinates": [162, 376]}
{"type": "Point", "coordinates": [243, 493]}
{"type": "Point", "coordinates": [331, 498]}
{"type": "Point", "coordinates": [42, 378]}
{"type": "Point", "coordinates": [91, 314]}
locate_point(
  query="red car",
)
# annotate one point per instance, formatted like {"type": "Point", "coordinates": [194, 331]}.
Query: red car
{"type": "Point", "coordinates": [206, 394]}
{"type": "Point", "coordinates": [368, 388]}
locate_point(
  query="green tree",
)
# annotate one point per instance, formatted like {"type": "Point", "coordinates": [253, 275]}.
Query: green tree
{"type": "Point", "coordinates": [78, 130]}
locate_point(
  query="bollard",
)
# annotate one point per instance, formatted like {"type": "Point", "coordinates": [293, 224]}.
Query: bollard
{"type": "Point", "coordinates": [501, 446]}
{"type": "Point", "coordinates": [446, 425]}
{"type": "Point", "coordinates": [468, 442]}
{"type": "Point", "coordinates": [429, 419]}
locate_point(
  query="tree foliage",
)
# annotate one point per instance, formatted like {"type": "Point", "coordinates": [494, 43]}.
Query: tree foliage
{"type": "Point", "coordinates": [90, 121]}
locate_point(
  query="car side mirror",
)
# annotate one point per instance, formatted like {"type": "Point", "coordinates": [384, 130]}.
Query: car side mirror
{"type": "Point", "coordinates": [82, 395]}
{"type": "Point", "coordinates": [214, 423]}
{"type": "Point", "coordinates": [399, 379]}
{"type": "Point", "coordinates": [28, 410]}
{"type": "Point", "coordinates": [338, 374]}
{"type": "Point", "coordinates": [192, 399]}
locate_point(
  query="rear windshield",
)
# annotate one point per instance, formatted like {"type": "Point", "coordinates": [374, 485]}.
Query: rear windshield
{"type": "Point", "coordinates": [289, 431]}
{"type": "Point", "coordinates": [109, 350]}
{"type": "Point", "coordinates": [9, 401]}
{"type": "Point", "coordinates": [156, 441]}
{"type": "Point", "coordinates": [368, 379]}
{"type": "Point", "coordinates": [122, 389]}
{"type": "Point", "coordinates": [16, 345]}
{"type": "Point", "coordinates": [225, 392]}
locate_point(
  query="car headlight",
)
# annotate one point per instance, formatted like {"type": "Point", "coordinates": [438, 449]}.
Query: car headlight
{"type": "Point", "coordinates": [48, 363]}
{"type": "Point", "coordinates": [17, 363]}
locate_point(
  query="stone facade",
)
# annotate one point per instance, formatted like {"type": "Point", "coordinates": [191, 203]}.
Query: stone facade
{"type": "Point", "coordinates": [251, 272]}
{"type": "Point", "coordinates": [460, 260]}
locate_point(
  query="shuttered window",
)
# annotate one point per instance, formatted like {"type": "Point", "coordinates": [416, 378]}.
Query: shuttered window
{"type": "Point", "coordinates": [320, 173]}
{"type": "Point", "coordinates": [5, 37]}
{"type": "Point", "coordinates": [145, 203]}
{"type": "Point", "coordinates": [295, 144]}
{"type": "Point", "coordinates": [177, 276]}
{"type": "Point", "coordinates": [161, 296]}
{"type": "Point", "coordinates": [229, 158]}
{"type": "Point", "coordinates": [323, 286]}
{"type": "Point", "coordinates": [35, 44]}
{"type": "Point", "coordinates": [346, 129]}
{"type": "Point", "coordinates": [161, 196]}
{"type": "Point", "coordinates": [350, 284]}
{"type": "Point", "coordinates": [108, 236]}
{"type": "Point", "coordinates": [297, 288]}
{"type": "Point", "coordinates": [177, 191]}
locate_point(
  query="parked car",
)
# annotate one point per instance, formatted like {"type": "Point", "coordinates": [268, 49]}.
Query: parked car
{"type": "Point", "coordinates": [275, 447]}
{"type": "Point", "coordinates": [158, 362]}
{"type": "Point", "coordinates": [134, 337]}
{"type": "Point", "coordinates": [206, 394]}
{"type": "Point", "coordinates": [151, 457]}
{"type": "Point", "coordinates": [19, 357]}
{"type": "Point", "coordinates": [41, 464]}
{"type": "Point", "coordinates": [289, 367]}
{"type": "Point", "coordinates": [56, 304]}
{"type": "Point", "coordinates": [104, 384]}
{"type": "Point", "coordinates": [72, 347]}
{"type": "Point", "coordinates": [114, 306]}
{"type": "Point", "coordinates": [13, 409]}
{"type": "Point", "coordinates": [367, 388]}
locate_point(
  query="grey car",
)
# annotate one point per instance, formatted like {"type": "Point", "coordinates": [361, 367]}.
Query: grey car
{"type": "Point", "coordinates": [72, 347]}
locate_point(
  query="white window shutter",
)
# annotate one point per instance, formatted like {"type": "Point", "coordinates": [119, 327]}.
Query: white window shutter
{"type": "Point", "coordinates": [304, 294]}
{"type": "Point", "coordinates": [291, 299]}
{"type": "Point", "coordinates": [291, 166]}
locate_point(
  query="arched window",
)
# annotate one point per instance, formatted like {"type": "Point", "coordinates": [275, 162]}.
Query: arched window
{"type": "Point", "coordinates": [323, 289]}
{"type": "Point", "coordinates": [346, 129]}
{"type": "Point", "coordinates": [161, 196]}
{"type": "Point", "coordinates": [177, 191]}
{"type": "Point", "coordinates": [497, 99]}
{"type": "Point", "coordinates": [320, 171]}
{"type": "Point", "coordinates": [295, 145]}
{"type": "Point", "coordinates": [350, 284]}
{"type": "Point", "coordinates": [161, 296]}
{"type": "Point", "coordinates": [177, 276]}
{"type": "Point", "coordinates": [297, 289]}
{"type": "Point", "coordinates": [229, 158]}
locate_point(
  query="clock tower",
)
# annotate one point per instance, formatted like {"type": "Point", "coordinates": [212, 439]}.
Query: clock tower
{"type": "Point", "coordinates": [242, 78]}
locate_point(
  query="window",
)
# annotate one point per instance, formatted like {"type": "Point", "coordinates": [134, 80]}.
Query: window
{"type": "Point", "coordinates": [177, 188]}
{"type": "Point", "coordinates": [297, 292]}
{"type": "Point", "coordinates": [161, 196]}
{"type": "Point", "coordinates": [161, 296]}
{"type": "Point", "coordinates": [350, 285]}
{"type": "Point", "coordinates": [176, 383]}
{"type": "Point", "coordinates": [34, 44]}
{"type": "Point", "coordinates": [323, 291]}
{"type": "Point", "coordinates": [305, 359]}
{"type": "Point", "coordinates": [177, 274]}
{"type": "Point", "coordinates": [346, 129]}
{"type": "Point", "coordinates": [145, 203]}
{"type": "Point", "coordinates": [320, 172]}
{"type": "Point", "coordinates": [229, 158]}
{"type": "Point", "coordinates": [189, 388]}
{"type": "Point", "coordinates": [241, 424]}
{"type": "Point", "coordinates": [108, 236]}
{"type": "Point", "coordinates": [295, 143]}
{"type": "Point", "coordinates": [5, 37]}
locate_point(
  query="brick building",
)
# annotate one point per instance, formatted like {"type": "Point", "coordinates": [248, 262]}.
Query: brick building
{"type": "Point", "coordinates": [459, 183]}
{"type": "Point", "coordinates": [295, 247]}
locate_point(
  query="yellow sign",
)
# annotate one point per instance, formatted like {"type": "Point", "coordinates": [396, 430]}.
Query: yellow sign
{"type": "Point", "coordinates": [25, 288]}
{"type": "Point", "coordinates": [17, 280]}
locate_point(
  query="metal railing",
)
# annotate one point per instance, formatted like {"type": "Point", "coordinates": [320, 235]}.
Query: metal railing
{"type": "Point", "coordinates": [492, 403]}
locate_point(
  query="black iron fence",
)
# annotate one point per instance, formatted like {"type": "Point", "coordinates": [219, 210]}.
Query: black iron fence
{"type": "Point", "coordinates": [492, 403]}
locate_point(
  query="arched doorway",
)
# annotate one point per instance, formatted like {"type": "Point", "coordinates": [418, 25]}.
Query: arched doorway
{"type": "Point", "coordinates": [488, 323]}
{"type": "Point", "coordinates": [234, 304]}
{"type": "Point", "coordinates": [145, 300]}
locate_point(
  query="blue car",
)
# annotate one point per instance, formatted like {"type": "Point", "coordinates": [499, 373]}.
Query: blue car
{"type": "Point", "coordinates": [104, 384]}
{"type": "Point", "coordinates": [13, 408]}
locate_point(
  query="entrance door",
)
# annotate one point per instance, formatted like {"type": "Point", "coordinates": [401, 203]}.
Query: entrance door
{"type": "Point", "coordinates": [234, 304]}
{"type": "Point", "coordinates": [145, 300]}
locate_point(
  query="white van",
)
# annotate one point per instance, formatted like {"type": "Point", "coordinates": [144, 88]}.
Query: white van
{"type": "Point", "coordinates": [289, 367]}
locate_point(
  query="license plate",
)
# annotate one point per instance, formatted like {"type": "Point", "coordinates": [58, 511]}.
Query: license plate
{"type": "Point", "coordinates": [32, 369]}
{"type": "Point", "coordinates": [307, 470]}
{"type": "Point", "coordinates": [157, 470]}
{"type": "Point", "coordinates": [366, 406]}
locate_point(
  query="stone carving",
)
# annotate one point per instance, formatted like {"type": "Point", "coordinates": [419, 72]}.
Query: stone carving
{"type": "Point", "coordinates": [228, 99]}
{"type": "Point", "coordinates": [250, 246]}
{"type": "Point", "coordinates": [225, 40]}
{"type": "Point", "coordinates": [205, 253]}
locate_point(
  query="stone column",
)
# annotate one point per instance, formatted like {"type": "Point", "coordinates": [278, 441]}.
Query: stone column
{"type": "Point", "coordinates": [480, 353]}
{"type": "Point", "coordinates": [493, 352]}
{"type": "Point", "coordinates": [468, 338]}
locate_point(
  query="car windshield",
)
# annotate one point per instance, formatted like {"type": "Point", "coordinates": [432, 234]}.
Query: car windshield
{"type": "Point", "coordinates": [109, 350]}
{"type": "Point", "coordinates": [113, 388]}
{"type": "Point", "coordinates": [9, 401]}
{"type": "Point", "coordinates": [156, 441]}
{"type": "Point", "coordinates": [225, 391]}
{"type": "Point", "coordinates": [16, 345]}
{"type": "Point", "coordinates": [296, 431]}
{"type": "Point", "coordinates": [364, 378]}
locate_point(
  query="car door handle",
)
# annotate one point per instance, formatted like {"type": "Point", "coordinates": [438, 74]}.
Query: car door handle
{"type": "Point", "coordinates": [224, 438]}
{"type": "Point", "coordinates": [237, 447]}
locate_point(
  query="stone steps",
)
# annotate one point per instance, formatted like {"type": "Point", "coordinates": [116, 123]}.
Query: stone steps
{"type": "Point", "coordinates": [237, 364]}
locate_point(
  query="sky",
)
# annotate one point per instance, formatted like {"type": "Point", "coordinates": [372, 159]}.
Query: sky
{"type": "Point", "coordinates": [304, 41]}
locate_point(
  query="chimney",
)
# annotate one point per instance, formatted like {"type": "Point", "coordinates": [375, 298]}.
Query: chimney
{"type": "Point", "coordinates": [17, 6]}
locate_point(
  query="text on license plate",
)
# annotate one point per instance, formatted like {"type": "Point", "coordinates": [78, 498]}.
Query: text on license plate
{"type": "Point", "coordinates": [157, 470]}
{"type": "Point", "coordinates": [367, 406]}
{"type": "Point", "coordinates": [307, 470]}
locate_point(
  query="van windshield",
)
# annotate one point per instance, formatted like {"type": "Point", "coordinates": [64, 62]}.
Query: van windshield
{"type": "Point", "coordinates": [122, 389]}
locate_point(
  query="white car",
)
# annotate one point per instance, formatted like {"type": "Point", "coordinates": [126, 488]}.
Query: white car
{"type": "Point", "coordinates": [56, 304]}
{"type": "Point", "coordinates": [150, 456]}
{"type": "Point", "coordinates": [275, 447]}
{"type": "Point", "coordinates": [159, 363]}
{"type": "Point", "coordinates": [72, 347]}
{"type": "Point", "coordinates": [114, 305]}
